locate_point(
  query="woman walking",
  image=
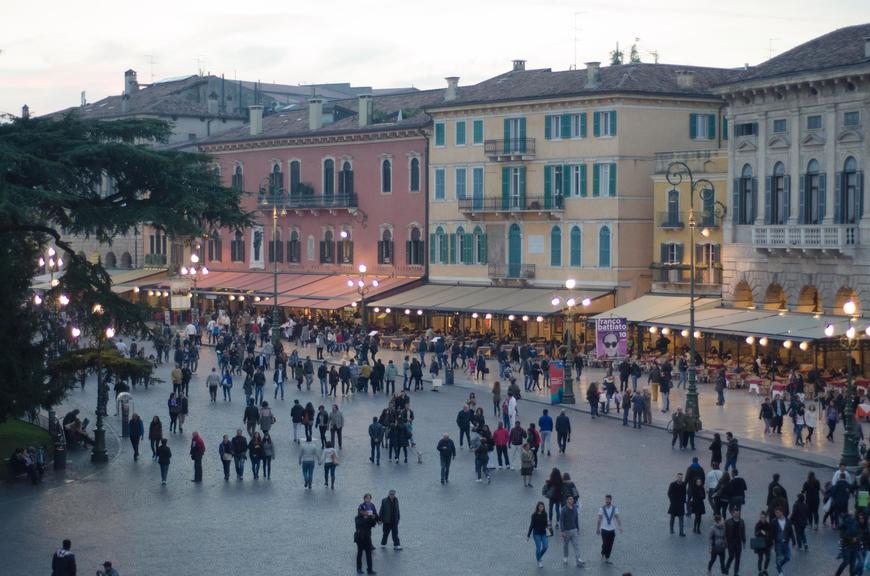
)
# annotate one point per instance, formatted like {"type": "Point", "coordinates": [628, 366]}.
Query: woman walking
{"type": "Point", "coordinates": [527, 461]}
{"type": "Point", "coordinates": [697, 507]}
{"type": "Point", "coordinates": [268, 454]}
{"type": "Point", "coordinates": [330, 462]}
{"type": "Point", "coordinates": [155, 434]}
{"type": "Point", "coordinates": [553, 492]}
{"type": "Point", "coordinates": [811, 419]}
{"type": "Point", "coordinates": [308, 420]}
{"type": "Point", "coordinates": [538, 529]}
{"type": "Point", "coordinates": [717, 544]}
{"type": "Point", "coordinates": [322, 421]}
{"type": "Point", "coordinates": [255, 452]}
{"type": "Point", "coordinates": [225, 449]}
{"type": "Point", "coordinates": [183, 410]}
{"type": "Point", "coordinates": [812, 492]}
{"type": "Point", "coordinates": [174, 409]}
{"type": "Point", "coordinates": [496, 398]}
{"type": "Point", "coordinates": [763, 542]}
{"type": "Point", "coordinates": [137, 431]}
{"type": "Point", "coordinates": [716, 449]}
{"type": "Point", "coordinates": [197, 450]}
{"type": "Point", "coordinates": [164, 455]}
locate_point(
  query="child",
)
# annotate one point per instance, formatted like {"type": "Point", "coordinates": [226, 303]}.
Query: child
{"type": "Point", "coordinates": [472, 366]}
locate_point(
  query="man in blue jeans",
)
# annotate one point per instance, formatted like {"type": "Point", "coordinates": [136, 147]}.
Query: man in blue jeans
{"type": "Point", "coordinates": [309, 454]}
{"type": "Point", "coordinates": [447, 451]}
{"type": "Point", "coordinates": [731, 451]}
{"type": "Point", "coordinates": [783, 536]}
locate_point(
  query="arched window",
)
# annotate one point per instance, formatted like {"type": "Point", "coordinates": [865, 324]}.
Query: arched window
{"type": "Point", "coordinates": [294, 250]}
{"type": "Point", "coordinates": [414, 248]}
{"type": "Point", "coordinates": [440, 248]}
{"type": "Point", "coordinates": [344, 247]}
{"type": "Point", "coordinates": [776, 202]}
{"type": "Point", "coordinates": [126, 260]}
{"type": "Point", "coordinates": [745, 196]}
{"type": "Point", "coordinates": [386, 176]}
{"type": "Point", "coordinates": [850, 198]}
{"type": "Point", "coordinates": [238, 178]}
{"type": "Point", "coordinates": [111, 260]}
{"type": "Point", "coordinates": [276, 180]}
{"type": "Point", "coordinates": [237, 247]}
{"type": "Point", "coordinates": [385, 247]}
{"type": "Point", "coordinates": [327, 248]}
{"type": "Point", "coordinates": [345, 180]}
{"type": "Point", "coordinates": [215, 248]}
{"type": "Point", "coordinates": [309, 247]}
{"type": "Point", "coordinates": [328, 179]}
{"type": "Point", "coordinates": [479, 246]}
{"type": "Point", "coordinates": [812, 195]}
{"type": "Point", "coordinates": [295, 176]}
{"type": "Point", "coordinates": [576, 246]}
{"type": "Point", "coordinates": [276, 247]}
{"type": "Point", "coordinates": [415, 175]}
{"type": "Point", "coordinates": [672, 218]}
{"type": "Point", "coordinates": [604, 247]}
{"type": "Point", "coordinates": [555, 246]}
{"type": "Point", "coordinates": [463, 246]}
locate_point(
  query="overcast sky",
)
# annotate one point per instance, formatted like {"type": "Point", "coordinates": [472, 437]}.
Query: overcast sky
{"type": "Point", "coordinates": [53, 50]}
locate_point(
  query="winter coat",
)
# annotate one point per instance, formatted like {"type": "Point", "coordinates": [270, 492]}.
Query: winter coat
{"type": "Point", "coordinates": [677, 498]}
{"type": "Point", "coordinates": [389, 512]}
{"type": "Point", "coordinates": [155, 431]}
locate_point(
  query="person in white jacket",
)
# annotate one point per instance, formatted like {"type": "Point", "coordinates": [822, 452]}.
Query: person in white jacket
{"type": "Point", "coordinates": [811, 419]}
{"type": "Point", "coordinates": [512, 409]}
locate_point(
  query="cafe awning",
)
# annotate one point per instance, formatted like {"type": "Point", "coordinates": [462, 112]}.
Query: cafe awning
{"type": "Point", "coordinates": [649, 307]}
{"type": "Point", "coordinates": [123, 281]}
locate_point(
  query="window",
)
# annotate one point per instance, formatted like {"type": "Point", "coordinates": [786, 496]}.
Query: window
{"type": "Point", "coordinates": [327, 248]}
{"type": "Point", "coordinates": [744, 196]}
{"type": "Point", "coordinates": [604, 247]}
{"type": "Point", "coordinates": [439, 184]}
{"type": "Point", "coordinates": [578, 180]}
{"type": "Point", "coordinates": [309, 247]}
{"type": "Point", "coordinates": [276, 180]}
{"type": "Point", "coordinates": [849, 201]}
{"type": "Point", "coordinates": [295, 176]}
{"type": "Point", "coordinates": [557, 183]}
{"type": "Point", "coordinates": [215, 248]}
{"type": "Point", "coordinates": [238, 179]}
{"type": "Point", "coordinates": [237, 247]}
{"type": "Point", "coordinates": [776, 198]}
{"type": "Point", "coordinates": [479, 239]}
{"type": "Point", "coordinates": [385, 247]}
{"type": "Point", "coordinates": [329, 178]}
{"type": "Point", "coordinates": [386, 176]}
{"type": "Point", "coordinates": [576, 247]}
{"type": "Point", "coordinates": [345, 180]}
{"type": "Point", "coordinates": [672, 217]}
{"type": "Point", "coordinates": [702, 126]}
{"type": "Point", "coordinates": [746, 129]}
{"type": "Point", "coordinates": [556, 246]}
{"type": "Point", "coordinates": [276, 247]}
{"type": "Point", "coordinates": [553, 128]}
{"type": "Point", "coordinates": [672, 253]}
{"type": "Point", "coordinates": [477, 132]}
{"type": "Point", "coordinates": [604, 179]}
{"type": "Point", "coordinates": [814, 122]}
{"type": "Point", "coordinates": [257, 245]}
{"type": "Point", "coordinates": [604, 124]}
{"type": "Point", "coordinates": [294, 251]}
{"type": "Point", "coordinates": [515, 135]}
{"type": "Point", "coordinates": [464, 247]}
{"type": "Point", "coordinates": [477, 185]}
{"type": "Point", "coordinates": [158, 242]}
{"type": "Point", "coordinates": [578, 125]}
{"type": "Point", "coordinates": [438, 248]}
{"type": "Point", "coordinates": [415, 175]}
{"type": "Point", "coordinates": [852, 118]}
{"type": "Point", "coordinates": [460, 183]}
{"type": "Point", "coordinates": [414, 248]}
{"type": "Point", "coordinates": [439, 134]}
{"type": "Point", "coordinates": [780, 126]}
{"type": "Point", "coordinates": [344, 248]}
{"type": "Point", "coordinates": [460, 132]}
{"type": "Point", "coordinates": [514, 188]}
{"type": "Point", "coordinates": [812, 195]}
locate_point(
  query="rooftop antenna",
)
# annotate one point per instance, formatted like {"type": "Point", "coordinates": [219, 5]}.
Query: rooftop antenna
{"type": "Point", "coordinates": [150, 59]}
{"type": "Point", "coordinates": [574, 66]}
{"type": "Point", "coordinates": [199, 64]}
{"type": "Point", "coordinates": [654, 54]}
{"type": "Point", "coordinates": [770, 42]}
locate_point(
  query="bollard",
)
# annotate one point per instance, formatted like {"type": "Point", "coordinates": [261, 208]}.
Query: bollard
{"type": "Point", "coordinates": [55, 430]}
{"type": "Point", "coordinates": [125, 419]}
{"type": "Point", "coordinates": [448, 376]}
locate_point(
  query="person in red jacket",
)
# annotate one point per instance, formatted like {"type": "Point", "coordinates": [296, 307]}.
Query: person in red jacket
{"type": "Point", "coordinates": [534, 440]}
{"type": "Point", "coordinates": [501, 439]}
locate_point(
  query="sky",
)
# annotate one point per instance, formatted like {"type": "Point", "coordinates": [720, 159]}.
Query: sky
{"type": "Point", "coordinates": [51, 51]}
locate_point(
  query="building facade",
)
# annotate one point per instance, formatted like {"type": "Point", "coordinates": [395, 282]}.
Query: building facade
{"type": "Point", "coordinates": [796, 237]}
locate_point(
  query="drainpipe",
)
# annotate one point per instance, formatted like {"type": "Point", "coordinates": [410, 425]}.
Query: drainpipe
{"type": "Point", "coordinates": [426, 236]}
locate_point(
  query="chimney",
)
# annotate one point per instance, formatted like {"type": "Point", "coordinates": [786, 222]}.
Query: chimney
{"type": "Point", "coordinates": [592, 74]}
{"type": "Point", "coordinates": [452, 83]}
{"type": "Point", "coordinates": [866, 46]}
{"type": "Point", "coordinates": [364, 109]}
{"type": "Point", "coordinates": [519, 65]}
{"type": "Point", "coordinates": [125, 103]}
{"type": "Point", "coordinates": [315, 113]}
{"type": "Point", "coordinates": [130, 83]}
{"type": "Point", "coordinates": [685, 79]}
{"type": "Point", "coordinates": [25, 112]}
{"type": "Point", "coordinates": [256, 119]}
{"type": "Point", "coordinates": [84, 98]}
{"type": "Point", "coordinates": [213, 104]}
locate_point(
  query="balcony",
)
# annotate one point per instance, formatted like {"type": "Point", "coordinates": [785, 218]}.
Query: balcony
{"type": "Point", "coordinates": [155, 260]}
{"type": "Point", "coordinates": [530, 206]}
{"type": "Point", "coordinates": [676, 279]}
{"type": "Point", "coordinates": [511, 271]}
{"type": "Point", "coordinates": [840, 238]}
{"type": "Point", "coordinates": [309, 202]}
{"type": "Point", "coordinates": [671, 220]}
{"type": "Point", "coordinates": [699, 161]}
{"type": "Point", "coordinates": [510, 150]}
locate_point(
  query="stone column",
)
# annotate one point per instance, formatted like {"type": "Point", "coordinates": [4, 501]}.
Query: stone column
{"type": "Point", "coordinates": [829, 121]}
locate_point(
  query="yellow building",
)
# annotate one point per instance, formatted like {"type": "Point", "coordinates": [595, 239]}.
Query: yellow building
{"type": "Point", "coordinates": [672, 206]}
{"type": "Point", "coordinates": [537, 176]}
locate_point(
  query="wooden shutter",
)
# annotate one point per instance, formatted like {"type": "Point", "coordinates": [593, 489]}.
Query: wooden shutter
{"type": "Point", "coordinates": [859, 196]}
{"type": "Point", "coordinates": [453, 248]}
{"type": "Point", "coordinates": [583, 180]}
{"type": "Point", "coordinates": [838, 207]}
{"type": "Point", "coordinates": [823, 195]}
{"type": "Point", "coordinates": [596, 177]}
{"type": "Point", "coordinates": [548, 129]}
{"type": "Point", "coordinates": [468, 249]}
{"type": "Point", "coordinates": [802, 197]}
{"type": "Point", "coordinates": [724, 128]}
{"type": "Point", "coordinates": [663, 252]}
{"type": "Point", "coordinates": [753, 209]}
{"type": "Point", "coordinates": [768, 186]}
{"type": "Point", "coordinates": [432, 244]}
{"type": "Point", "coordinates": [481, 249]}
{"type": "Point", "coordinates": [693, 125]}
{"type": "Point", "coordinates": [613, 123]}
{"type": "Point", "coordinates": [711, 126]}
{"type": "Point", "coordinates": [736, 202]}
{"type": "Point", "coordinates": [567, 176]}
{"type": "Point", "coordinates": [522, 136]}
{"type": "Point", "coordinates": [555, 246]}
{"type": "Point", "coordinates": [612, 189]}
{"type": "Point", "coordinates": [679, 254]}
{"type": "Point", "coordinates": [523, 186]}
{"type": "Point", "coordinates": [596, 124]}
{"type": "Point", "coordinates": [507, 135]}
{"type": "Point", "coordinates": [565, 128]}
{"type": "Point", "coordinates": [786, 202]}
{"type": "Point", "coordinates": [583, 124]}
{"type": "Point", "coordinates": [548, 186]}
{"type": "Point", "coordinates": [505, 188]}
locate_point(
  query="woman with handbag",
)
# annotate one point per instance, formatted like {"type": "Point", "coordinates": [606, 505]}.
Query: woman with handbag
{"type": "Point", "coordinates": [330, 462]}
{"type": "Point", "coordinates": [762, 542]}
{"type": "Point", "coordinates": [696, 504]}
{"type": "Point", "coordinates": [225, 449]}
{"type": "Point", "coordinates": [539, 530]}
{"type": "Point", "coordinates": [552, 491]}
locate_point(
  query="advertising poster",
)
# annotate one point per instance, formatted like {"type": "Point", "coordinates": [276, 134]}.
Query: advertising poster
{"type": "Point", "coordinates": [611, 338]}
{"type": "Point", "coordinates": [557, 376]}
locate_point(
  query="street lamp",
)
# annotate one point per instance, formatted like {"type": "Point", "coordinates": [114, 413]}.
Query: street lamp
{"type": "Point", "coordinates": [705, 190]}
{"type": "Point", "coordinates": [99, 454]}
{"type": "Point", "coordinates": [194, 271]}
{"type": "Point", "coordinates": [849, 341]}
{"type": "Point", "coordinates": [568, 344]}
{"type": "Point", "coordinates": [275, 196]}
{"type": "Point", "coordinates": [363, 286]}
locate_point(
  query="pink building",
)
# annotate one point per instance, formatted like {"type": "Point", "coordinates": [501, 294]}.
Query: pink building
{"type": "Point", "coordinates": [333, 185]}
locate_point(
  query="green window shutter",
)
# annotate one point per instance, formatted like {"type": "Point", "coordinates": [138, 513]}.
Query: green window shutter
{"type": "Point", "coordinates": [432, 258]}
{"type": "Point", "coordinates": [613, 123]}
{"type": "Point", "coordinates": [507, 135]}
{"type": "Point", "coordinates": [724, 128]}
{"type": "Point", "coordinates": [548, 133]}
{"type": "Point", "coordinates": [439, 134]}
{"type": "Point", "coordinates": [468, 249]}
{"type": "Point", "coordinates": [481, 249]}
{"type": "Point", "coordinates": [460, 133]}
{"type": "Point", "coordinates": [596, 124]}
{"type": "Point", "coordinates": [453, 248]}
{"type": "Point", "coordinates": [583, 180]}
{"type": "Point", "coordinates": [477, 129]}
{"type": "Point", "coordinates": [664, 254]}
{"type": "Point", "coordinates": [565, 125]}
{"type": "Point", "coordinates": [711, 126]}
{"type": "Point", "coordinates": [555, 247]}
{"type": "Point", "coordinates": [505, 188]}
{"type": "Point", "coordinates": [567, 172]}
{"type": "Point", "coordinates": [583, 124]}
{"type": "Point", "coordinates": [596, 177]}
{"type": "Point", "coordinates": [548, 186]}
{"type": "Point", "coordinates": [611, 191]}
{"type": "Point", "coordinates": [523, 186]}
{"type": "Point", "coordinates": [679, 253]}
{"type": "Point", "coordinates": [693, 125]}
{"type": "Point", "coordinates": [521, 145]}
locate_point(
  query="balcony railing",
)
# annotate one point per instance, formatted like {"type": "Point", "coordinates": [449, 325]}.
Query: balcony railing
{"type": "Point", "coordinates": [155, 260]}
{"type": "Point", "coordinates": [308, 202]}
{"type": "Point", "coordinates": [671, 220]}
{"type": "Point", "coordinates": [511, 271]}
{"type": "Point", "coordinates": [697, 160]}
{"type": "Point", "coordinates": [833, 237]}
{"type": "Point", "coordinates": [529, 204]}
{"type": "Point", "coordinates": [512, 148]}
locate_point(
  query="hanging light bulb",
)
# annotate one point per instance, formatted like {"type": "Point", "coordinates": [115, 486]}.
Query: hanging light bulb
{"type": "Point", "coordinates": [151, 292]}
{"type": "Point", "coordinates": [194, 258]}
{"type": "Point", "coordinates": [750, 340]}
{"type": "Point", "coordinates": [63, 299]}
{"type": "Point", "coordinates": [666, 330]}
{"type": "Point", "coordinates": [41, 261]}
{"type": "Point", "coordinates": [407, 311]}
{"type": "Point", "coordinates": [684, 333]}
{"type": "Point", "coordinates": [343, 235]}
{"type": "Point", "coordinates": [60, 262]}
{"type": "Point", "coordinates": [539, 319]}
{"type": "Point", "coordinates": [653, 330]}
{"type": "Point", "coordinates": [242, 298]}
{"type": "Point", "coordinates": [804, 346]}
{"type": "Point", "coordinates": [166, 294]}
{"type": "Point", "coordinates": [51, 262]}
{"type": "Point", "coordinates": [570, 283]}
{"type": "Point", "coordinates": [763, 341]}
{"type": "Point", "coordinates": [184, 271]}
{"type": "Point", "coordinates": [787, 344]}
{"type": "Point", "coordinates": [75, 332]}
{"type": "Point", "coordinates": [697, 334]}
{"type": "Point", "coordinates": [97, 309]}
{"type": "Point", "coordinates": [387, 310]}
{"type": "Point", "coordinates": [474, 315]}
{"type": "Point", "coordinates": [257, 298]}
{"type": "Point", "coordinates": [353, 304]}
{"type": "Point", "coordinates": [136, 290]}
{"type": "Point", "coordinates": [511, 317]}
{"type": "Point", "coordinates": [232, 297]}
{"type": "Point", "coordinates": [376, 282]}
{"type": "Point", "coordinates": [419, 312]}
{"type": "Point", "coordinates": [525, 318]}
{"type": "Point", "coordinates": [110, 332]}
{"type": "Point", "coordinates": [586, 302]}
{"type": "Point", "coordinates": [362, 267]}
{"type": "Point", "coordinates": [850, 333]}
{"type": "Point", "coordinates": [37, 299]}
{"type": "Point", "coordinates": [829, 330]}
{"type": "Point", "coordinates": [555, 301]}
{"type": "Point", "coordinates": [350, 284]}
{"type": "Point", "coordinates": [204, 271]}
{"type": "Point", "coordinates": [571, 302]}
{"type": "Point", "coordinates": [377, 309]}
{"type": "Point", "coordinates": [360, 283]}
{"type": "Point", "coordinates": [51, 252]}
{"type": "Point", "coordinates": [55, 282]}
{"type": "Point", "coordinates": [488, 316]}
{"type": "Point", "coordinates": [850, 308]}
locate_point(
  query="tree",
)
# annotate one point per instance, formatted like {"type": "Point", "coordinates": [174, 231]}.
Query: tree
{"type": "Point", "coordinates": [50, 171]}
{"type": "Point", "coordinates": [616, 56]}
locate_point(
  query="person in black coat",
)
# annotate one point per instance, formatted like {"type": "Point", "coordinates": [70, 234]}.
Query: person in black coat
{"type": "Point", "coordinates": [364, 522]}
{"type": "Point", "coordinates": [735, 540]}
{"type": "Point", "coordinates": [63, 563]}
{"type": "Point", "coordinates": [716, 449]}
{"type": "Point", "coordinates": [764, 531]}
{"type": "Point", "coordinates": [783, 537]}
{"type": "Point", "coordinates": [563, 431]}
{"type": "Point", "coordinates": [800, 514]}
{"type": "Point", "coordinates": [389, 515]}
{"type": "Point", "coordinates": [677, 502]}
{"type": "Point", "coordinates": [696, 506]}
{"type": "Point", "coordinates": [772, 487]}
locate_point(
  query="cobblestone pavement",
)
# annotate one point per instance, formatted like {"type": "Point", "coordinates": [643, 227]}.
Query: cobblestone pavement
{"type": "Point", "coordinates": [120, 511]}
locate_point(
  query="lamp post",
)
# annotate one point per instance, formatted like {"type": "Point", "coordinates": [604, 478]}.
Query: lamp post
{"type": "Point", "coordinates": [676, 172]}
{"type": "Point", "coordinates": [363, 287]}
{"type": "Point", "coordinates": [272, 200]}
{"type": "Point", "coordinates": [849, 341]}
{"type": "Point", "coordinates": [99, 454]}
{"type": "Point", "coordinates": [194, 271]}
{"type": "Point", "coordinates": [568, 344]}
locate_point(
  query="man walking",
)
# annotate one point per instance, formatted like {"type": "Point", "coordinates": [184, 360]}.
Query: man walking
{"type": "Point", "coordinates": [364, 522]}
{"type": "Point", "coordinates": [545, 427]}
{"type": "Point", "coordinates": [376, 437]}
{"type": "Point", "coordinates": [637, 408]}
{"type": "Point", "coordinates": [309, 455]}
{"type": "Point", "coordinates": [212, 382]}
{"type": "Point", "coordinates": [608, 521]}
{"type": "Point", "coordinates": [569, 527]}
{"type": "Point", "coordinates": [63, 563]}
{"type": "Point", "coordinates": [463, 421]}
{"type": "Point", "coordinates": [518, 438]}
{"type": "Point", "coordinates": [297, 413]}
{"type": "Point", "coordinates": [735, 540]}
{"type": "Point", "coordinates": [783, 537]}
{"type": "Point", "coordinates": [240, 450]}
{"type": "Point", "coordinates": [677, 502]}
{"type": "Point", "coordinates": [731, 452]}
{"type": "Point", "coordinates": [251, 418]}
{"type": "Point", "coordinates": [447, 452]}
{"type": "Point", "coordinates": [563, 431]}
{"type": "Point", "coordinates": [389, 515]}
